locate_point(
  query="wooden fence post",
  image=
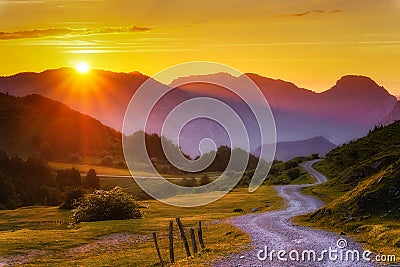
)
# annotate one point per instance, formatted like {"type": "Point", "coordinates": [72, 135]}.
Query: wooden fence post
{"type": "Point", "coordinates": [200, 234]}
{"type": "Point", "coordinates": [183, 236]}
{"type": "Point", "coordinates": [158, 249]}
{"type": "Point", "coordinates": [171, 242]}
{"type": "Point", "coordinates": [193, 237]}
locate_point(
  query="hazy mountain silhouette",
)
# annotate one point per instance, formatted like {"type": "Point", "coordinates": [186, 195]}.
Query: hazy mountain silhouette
{"type": "Point", "coordinates": [393, 116]}
{"type": "Point", "coordinates": [344, 112]}
{"type": "Point", "coordinates": [36, 125]}
{"type": "Point", "coordinates": [101, 94]}
{"type": "Point", "coordinates": [291, 149]}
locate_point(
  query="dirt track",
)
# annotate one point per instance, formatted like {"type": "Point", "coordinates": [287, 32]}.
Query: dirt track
{"type": "Point", "coordinates": [275, 231]}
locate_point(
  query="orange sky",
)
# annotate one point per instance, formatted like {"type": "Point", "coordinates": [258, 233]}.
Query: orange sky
{"type": "Point", "coordinates": [309, 42]}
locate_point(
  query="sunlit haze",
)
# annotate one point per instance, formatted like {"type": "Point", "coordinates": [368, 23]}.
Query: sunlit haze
{"type": "Point", "coordinates": [82, 67]}
{"type": "Point", "coordinates": [310, 43]}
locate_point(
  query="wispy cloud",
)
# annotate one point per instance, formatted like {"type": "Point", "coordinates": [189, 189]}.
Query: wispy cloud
{"type": "Point", "coordinates": [381, 42]}
{"type": "Point", "coordinates": [69, 32]}
{"type": "Point", "coordinates": [309, 12]}
{"type": "Point", "coordinates": [128, 50]}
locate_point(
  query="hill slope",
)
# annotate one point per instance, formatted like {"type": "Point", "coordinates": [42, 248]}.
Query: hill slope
{"type": "Point", "coordinates": [92, 93]}
{"type": "Point", "coordinates": [363, 194]}
{"type": "Point", "coordinates": [35, 125]}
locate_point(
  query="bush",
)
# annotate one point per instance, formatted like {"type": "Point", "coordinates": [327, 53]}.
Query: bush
{"type": "Point", "coordinates": [107, 205]}
{"type": "Point", "coordinates": [315, 156]}
{"type": "Point", "coordinates": [294, 173]}
{"type": "Point", "coordinates": [72, 199]}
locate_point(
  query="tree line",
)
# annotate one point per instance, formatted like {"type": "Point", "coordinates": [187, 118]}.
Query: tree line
{"type": "Point", "coordinates": [32, 182]}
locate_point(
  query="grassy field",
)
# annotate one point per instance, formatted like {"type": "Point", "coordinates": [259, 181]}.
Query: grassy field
{"type": "Point", "coordinates": [42, 236]}
{"type": "Point", "coordinates": [84, 168]}
{"type": "Point", "coordinates": [104, 170]}
{"type": "Point", "coordinates": [368, 212]}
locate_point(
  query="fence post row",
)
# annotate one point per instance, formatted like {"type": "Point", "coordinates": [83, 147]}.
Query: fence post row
{"type": "Point", "coordinates": [193, 237]}
{"type": "Point", "coordinates": [184, 239]}
{"type": "Point", "coordinates": [171, 242]}
{"type": "Point", "coordinates": [158, 249]}
{"type": "Point", "coordinates": [183, 236]}
{"type": "Point", "coordinates": [200, 234]}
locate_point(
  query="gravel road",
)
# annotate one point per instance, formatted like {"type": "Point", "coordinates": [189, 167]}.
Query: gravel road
{"type": "Point", "coordinates": [275, 231]}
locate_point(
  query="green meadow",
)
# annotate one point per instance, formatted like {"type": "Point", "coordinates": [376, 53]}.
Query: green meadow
{"type": "Point", "coordinates": [45, 236]}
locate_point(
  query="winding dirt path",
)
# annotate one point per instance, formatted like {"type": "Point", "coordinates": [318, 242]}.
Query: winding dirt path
{"type": "Point", "coordinates": [275, 231]}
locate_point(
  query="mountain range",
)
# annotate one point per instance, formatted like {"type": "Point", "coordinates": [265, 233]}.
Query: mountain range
{"type": "Point", "coordinates": [36, 125]}
{"type": "Point", "coordinates": [394, 115]}
{"type": "Point", "coordinates": [344, 112]}
{"type": "Point", "coordinates": [291, 149]}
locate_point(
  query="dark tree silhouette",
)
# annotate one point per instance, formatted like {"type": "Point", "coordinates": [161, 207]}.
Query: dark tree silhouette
{"type": "Point", "coordinates": [91, 180]}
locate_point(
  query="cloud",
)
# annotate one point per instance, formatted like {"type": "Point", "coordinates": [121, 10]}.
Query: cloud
{"type": "Point", "coordinates": [310, 12]}
{"type": "Point", "coordinates": [69, 32]}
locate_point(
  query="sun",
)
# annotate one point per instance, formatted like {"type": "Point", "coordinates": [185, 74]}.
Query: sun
{"type": "Point", "coordinates": [82, 67]}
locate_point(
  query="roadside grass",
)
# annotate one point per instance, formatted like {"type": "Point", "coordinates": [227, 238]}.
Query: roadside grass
{"type": "Point", "coordinates": [377, 234]}
{"type": "Point", "coordinates": [324, 192]}
{"type": "Point", "coordinates": [39, 228]}
{"type": "Point", "coordinates": [378, 231]}
{"type": "Point", "coordinates": [284, 179]}
{"type": "Point", "coordinates": [305, 178]}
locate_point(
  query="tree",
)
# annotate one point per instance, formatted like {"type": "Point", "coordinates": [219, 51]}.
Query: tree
{"type": "Point", "coordinates": [91, 180]}
{"type": "Point", "coordinates": [69, 177]}
{"type": "Point", "coordinates": [314, 156]}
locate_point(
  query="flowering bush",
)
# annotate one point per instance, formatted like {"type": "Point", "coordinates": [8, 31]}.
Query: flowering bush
{"type": "Point", "coordinates": [107, 205]}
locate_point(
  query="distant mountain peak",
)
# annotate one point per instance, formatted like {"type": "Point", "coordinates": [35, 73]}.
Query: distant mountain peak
{"type": "Point", "coordinates": [357, 82]}
{"type": "Point", "coordinates": [278, 83]}
{"type": "Point", "coordinates": [394, 115]}
{"type": "Point", "coordinates": [212, 77]}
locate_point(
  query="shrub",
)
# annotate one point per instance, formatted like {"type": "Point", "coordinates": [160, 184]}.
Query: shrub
{"type": "Point", "coordinates": [315, 156]}
{"type": "Point", "coordinates": [294, 173]}
{"type": "Point", "coordinates": [107, 205]}
{"type": "Point", "coordinates": [72, 199]}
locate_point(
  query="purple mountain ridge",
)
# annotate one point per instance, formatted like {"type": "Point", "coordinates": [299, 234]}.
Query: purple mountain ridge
{"type": "Point", "coordinates": [344, 112]}
{"type": "Point", "coordinates": [393, 116]}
